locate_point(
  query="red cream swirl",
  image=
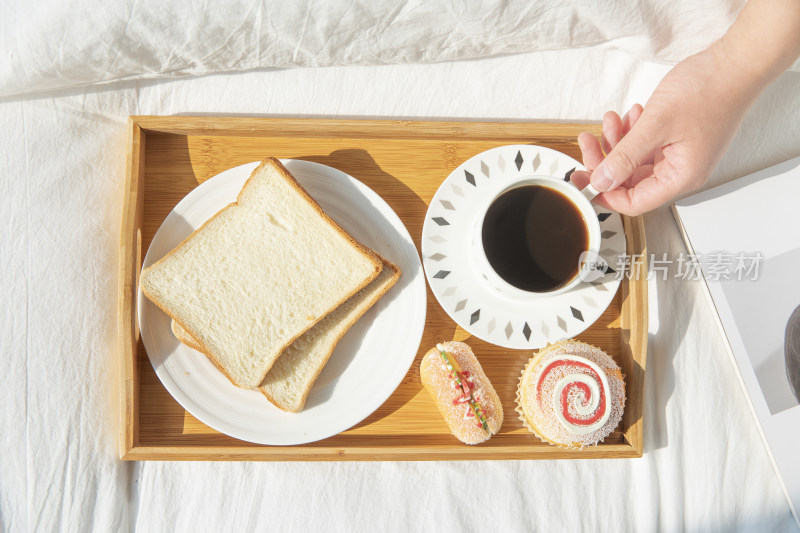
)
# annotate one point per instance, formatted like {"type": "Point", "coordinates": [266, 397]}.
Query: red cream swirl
{"type": "Point", "coordinates": [576, 390]}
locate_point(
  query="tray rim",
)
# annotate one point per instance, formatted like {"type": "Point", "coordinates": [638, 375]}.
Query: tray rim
{"type": "Point", "coordinates": [633, 291]}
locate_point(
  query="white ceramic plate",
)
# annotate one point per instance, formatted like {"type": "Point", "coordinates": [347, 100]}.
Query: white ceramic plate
{"type": "Point", "coordinates": [469, 299]}
{"type": "Point", "coordinates": [369, 362]}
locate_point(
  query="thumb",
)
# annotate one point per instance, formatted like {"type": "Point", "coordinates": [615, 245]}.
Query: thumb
{"type": "Point", "coordinates": [628, 155]}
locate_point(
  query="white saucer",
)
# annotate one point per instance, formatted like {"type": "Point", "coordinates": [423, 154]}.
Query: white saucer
{"type": "Point", "coordinates": [369, 362]}
{"type": "Point", "coordinates": [451, 270]}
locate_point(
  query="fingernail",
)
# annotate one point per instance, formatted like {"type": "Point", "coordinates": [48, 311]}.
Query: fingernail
{"type": "Point", "coordinates": [601, 179]}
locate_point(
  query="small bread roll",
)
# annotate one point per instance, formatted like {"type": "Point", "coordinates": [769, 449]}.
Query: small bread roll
{"type": "Point", "coordinates": [463, 394]}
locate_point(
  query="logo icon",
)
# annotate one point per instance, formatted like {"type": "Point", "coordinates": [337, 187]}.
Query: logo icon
{"type": "Point", "coordinates": [591, 267]}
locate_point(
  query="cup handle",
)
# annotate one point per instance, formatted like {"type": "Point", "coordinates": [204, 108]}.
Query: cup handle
{"type": "Point", "coordinates": [589, 192]}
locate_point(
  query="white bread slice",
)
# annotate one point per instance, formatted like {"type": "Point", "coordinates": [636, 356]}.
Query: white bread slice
{"type": "Point", "coordinates": [290, 379]}
{"type": "Point", "coordinates": [258, 274]}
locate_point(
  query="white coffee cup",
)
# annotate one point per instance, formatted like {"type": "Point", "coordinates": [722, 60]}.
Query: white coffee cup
{"type": "Point", "coordinates": [590, 261]}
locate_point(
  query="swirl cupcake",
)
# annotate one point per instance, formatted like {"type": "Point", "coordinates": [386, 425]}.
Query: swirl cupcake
{"type": "Point", "coordinates": [571, 395]}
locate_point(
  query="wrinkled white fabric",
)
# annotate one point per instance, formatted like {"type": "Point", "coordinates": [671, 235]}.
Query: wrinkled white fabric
{"type": "Point", "coordinates": [61, 180]}
{"type": "Point", "coordinates": [49, 45]}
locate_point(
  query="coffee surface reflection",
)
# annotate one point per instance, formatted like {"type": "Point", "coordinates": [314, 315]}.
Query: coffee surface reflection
{"type": "Point", "coordinates": [533, 237]}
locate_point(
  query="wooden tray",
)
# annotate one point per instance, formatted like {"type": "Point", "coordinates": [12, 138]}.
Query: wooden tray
{"type": "Point", "coordinates": [404, 162]}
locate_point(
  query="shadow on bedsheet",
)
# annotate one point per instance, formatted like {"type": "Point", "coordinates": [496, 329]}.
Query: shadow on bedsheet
{"type": "Point", "coordinates": [673, 311]}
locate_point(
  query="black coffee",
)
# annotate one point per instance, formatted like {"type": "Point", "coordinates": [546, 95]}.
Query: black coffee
{"type": "Point", "coordinates": [533, 237]}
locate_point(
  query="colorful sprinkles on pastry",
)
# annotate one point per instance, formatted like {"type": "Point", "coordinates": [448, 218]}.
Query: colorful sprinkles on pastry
{"type": "Point", "coordinates": [453, 376]}
{"type": "Point", "coordinates": [464, 384]}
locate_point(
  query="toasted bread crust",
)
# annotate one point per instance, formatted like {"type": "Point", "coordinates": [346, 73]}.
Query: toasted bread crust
{"type": "Point", "coordinates": [269, 161]}
{"type": "Point", "coordinates": [310, 382]}
{"type": "Point", "coordinates": [184, 337]}
{"type": "Point", "coordinates": [193, 343]}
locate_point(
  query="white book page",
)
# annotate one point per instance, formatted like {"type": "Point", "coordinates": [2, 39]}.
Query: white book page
{"type": "Point", "coordinates": [756, 220]}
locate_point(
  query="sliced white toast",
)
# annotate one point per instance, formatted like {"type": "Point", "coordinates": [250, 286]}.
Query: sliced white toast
{"type": "Point", "coordinates": [290, 379]}
{"type": "Point", "coordinates": [258, 274]}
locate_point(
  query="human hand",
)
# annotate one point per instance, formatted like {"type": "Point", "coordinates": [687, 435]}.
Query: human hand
{"type": "Point", "coordinates": [670, 146]}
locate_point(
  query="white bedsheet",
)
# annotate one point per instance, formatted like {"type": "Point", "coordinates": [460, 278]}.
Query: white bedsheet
{"type": "Point", "coordinates": [62, 171]}
{"type": "Point", "coordinates": [71, 43]}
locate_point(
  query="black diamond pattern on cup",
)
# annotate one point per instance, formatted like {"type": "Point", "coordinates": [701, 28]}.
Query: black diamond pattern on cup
{"type": "Point", "coordinates": [518, 160]}
{"type": "Point", "coordinates": [526, 330]}
{"type": "Point", "coordinates": [441, 274]}
{"type": "Point", "coordinates": [441, 221]}
{"type": "Point", "coordinates": [474, 317]}
{"type": "Point", "coordinates": [576, 313]}
{"type": "Point", "coordinates": [509, 330]}
{"type": "Point", "coordinates": [447, 205]}
{"type": "Point", "coordinates": [437, 256]}
{"type": "Point", "coordinates": [568, 175]}
{"type": "Point", "coordinates": [608, 233]}
{"type": "Point", "coordinates": [461, 305]}
{"type": "Point", "coordinates": [603, 216]}
{"type": "Point", "coordinates": [485, 169]}
{"type": "Point", "coordinates": [470, 178]}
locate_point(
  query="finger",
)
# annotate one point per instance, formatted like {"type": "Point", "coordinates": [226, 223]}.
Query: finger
{"type": "Point", "coordinates": [599, 200]}
{"type": "Point", "coordinates": [634, 114]}
{"type": "Point", "coordinates": [580, 178]}
{"type": "Point", "coordinates": [612, 131]}
{"type": "Point", "coordinates": [630, 153]}
{"type": "Point", "coordinates": [631, 118]}
{"type": "Point", "coordinates": [639, 175]}
{"type": "Point", "coordinates": [590, 149]}
{"type": "Point", "coordinates": [650, 159]}
{"type": "Point", "coordinates": [645, 196]}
